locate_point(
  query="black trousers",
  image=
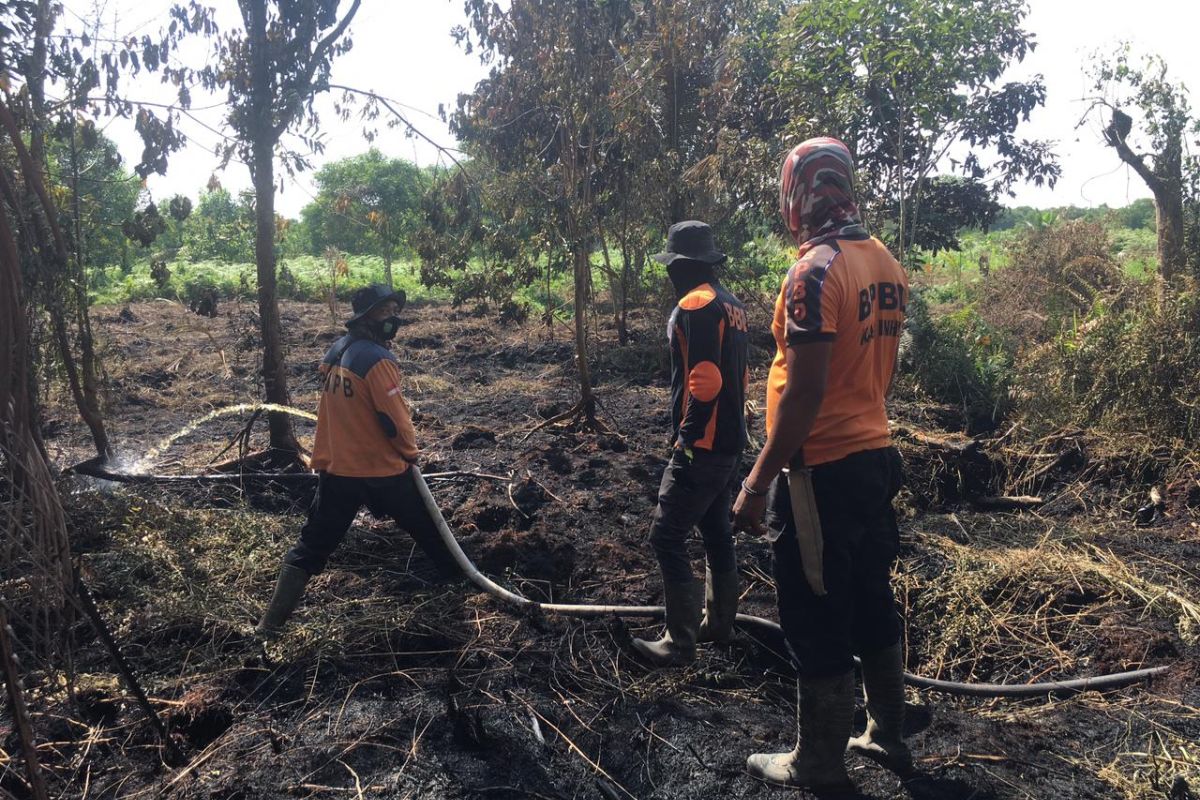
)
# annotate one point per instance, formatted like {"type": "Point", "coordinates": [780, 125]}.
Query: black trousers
{"type": "Point", "coordinates": [337, 503]}
{"type": "Point", "coordinates": [861, 541]}
{"type": "Point", "coordinates": [695, 493]}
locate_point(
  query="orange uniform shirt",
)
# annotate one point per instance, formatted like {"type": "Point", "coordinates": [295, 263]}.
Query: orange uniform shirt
{"type": "Point", "coordinates": [364, 428]}
{"type": "Point", "coordinates": [853, 293]}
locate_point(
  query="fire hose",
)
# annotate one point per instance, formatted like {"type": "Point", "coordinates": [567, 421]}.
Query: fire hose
{"type": "Point", "coordinates": [746, 621]}
{"type": "Point", "coordinates": [510, 597]}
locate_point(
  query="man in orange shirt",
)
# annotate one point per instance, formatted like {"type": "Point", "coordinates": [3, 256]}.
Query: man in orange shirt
{"type": "Point", "coordinates": [365, 448]}
{"type": "Point", "coordinates": [829, 473]}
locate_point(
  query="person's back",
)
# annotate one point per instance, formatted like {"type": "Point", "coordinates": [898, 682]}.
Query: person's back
{"type": "Point", "coordinates": [709, 371]}
{"type": "Point", "coordinates": [364, 429]}
{"type": "Point", "coordinates": [832, 474]}
{"type": "Point", "coordinates": [708, 337]}
{"type": "Point", "coordinates": [364, 454]}
{"type": "Point", "coordinates": [853, 293]}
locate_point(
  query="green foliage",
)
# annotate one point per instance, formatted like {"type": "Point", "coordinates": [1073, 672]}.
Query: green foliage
{"type": "Point", "coordinates": [300, 278]}
{"type": "Point", "coordinates": [220, 228]}
{"type": "Point", "coordinates": [902, 82]}
{"type": "Point", "coordinates": [1138, 215]}
{"type": "Point", "coordinates": [365, 204]}
{"type": "Point", "coordinates": [481, 245]}
{"type": "Point", "coordinates": [201, 294]}
{"type": "Point", "coordinates": [957, 358]}
{"type": "Point", "coordinates": [950, 204]}
{"type": "Point", "coordinates": [107, 193]}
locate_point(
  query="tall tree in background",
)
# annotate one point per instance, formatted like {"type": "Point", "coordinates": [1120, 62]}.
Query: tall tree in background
{"type": "Point", "coordinates": [1127, 90]}
{"type": "Point", "coordinates": [929, 72]}
{"type": "Point", "coordinates": [366, 200]}
{"type": "Point", "coordinates": [543, 118]}
{"type": "Point", "coordinates": [666, 103]}
{"type": "Point", "coordinates": [271, 70]}
{"type": "Point", "coordinates": [55, 258]}
{"type": "Point", "coordinates": [220, 228]}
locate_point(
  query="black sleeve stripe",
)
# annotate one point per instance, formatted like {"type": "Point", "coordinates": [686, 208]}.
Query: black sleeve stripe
{"type": "Point", "coordinates": [803, 291]}
{"type": "Point", "coordinates": [389, 427]}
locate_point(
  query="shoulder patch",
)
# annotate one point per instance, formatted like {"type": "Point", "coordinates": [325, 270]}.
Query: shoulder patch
{"type": "Point", "coordinates": [698, 298]}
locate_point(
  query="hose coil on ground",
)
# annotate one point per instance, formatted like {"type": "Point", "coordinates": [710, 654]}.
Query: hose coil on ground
{"type": "Point", "coordinates": [1043, 689]}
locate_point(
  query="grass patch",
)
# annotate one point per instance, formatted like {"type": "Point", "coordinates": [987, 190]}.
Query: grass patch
{"type": "Point", "coordinates": [299, 278]}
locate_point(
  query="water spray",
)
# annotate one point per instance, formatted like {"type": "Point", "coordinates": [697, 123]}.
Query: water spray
{"type": "Point", "coordinates": [143, 463]}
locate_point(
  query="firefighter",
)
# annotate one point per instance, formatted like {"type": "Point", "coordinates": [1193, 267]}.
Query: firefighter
{"type": "Point", "coordinates": [707, 335]}
{"type": "Point", "coordinates": [364, 453]}
{"type": "Point", "coordinates": [827, 475]}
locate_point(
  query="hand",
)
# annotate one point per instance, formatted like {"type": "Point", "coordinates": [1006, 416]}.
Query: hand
{"type": "Point", "coordinates": [748, 513]}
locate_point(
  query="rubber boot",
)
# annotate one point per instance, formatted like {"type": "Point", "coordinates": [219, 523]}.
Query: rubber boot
{"type": "Point", "coordinates": [678, 644]}
{"type": "Point", "coordinates": [721, 591]}
{"type": "Point", "coordinates": [289, 588]}
{"type": "Point", "coordinates": [818, 760]}
{"type": "Point", "coordinates": [883, 681]}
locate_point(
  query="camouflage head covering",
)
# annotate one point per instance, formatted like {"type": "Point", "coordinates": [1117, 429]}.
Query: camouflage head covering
{"type": "Point", "coordinates": [816, 193]}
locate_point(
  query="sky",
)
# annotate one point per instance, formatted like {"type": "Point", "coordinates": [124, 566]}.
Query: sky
{"type": "Point", "coordinates": [403, 50]}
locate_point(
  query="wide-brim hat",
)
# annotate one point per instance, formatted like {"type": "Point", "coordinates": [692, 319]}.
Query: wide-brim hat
{"type": "Point", "coordinates": [368, 298]}
{"type": "Point", "coordinates": [692, 240]}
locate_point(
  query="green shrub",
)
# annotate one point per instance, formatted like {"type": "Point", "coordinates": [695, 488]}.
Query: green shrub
{"type": "Point", "coordinates": [958, 359]}
{"type": "Point", "coordinates": [201, 294]}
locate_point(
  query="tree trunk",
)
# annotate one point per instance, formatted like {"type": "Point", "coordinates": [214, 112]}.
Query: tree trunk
{"type": "Point", "coordinates": [583, 266]}
{"type": "Point", "coordinates": [387, 268]}
{"type": "Point", "coordinates": [36, 81]}
{"type": "Point", "coordinates": [1165, 182]}
{"type": "Point", "coordinates": [1171, 254]}
{"type": "Point", "coordinates": [616, 289]}
{"type": "Point", "coordinates": [262, 168]}
{"type": "Point", "coordinates": [85, 394]}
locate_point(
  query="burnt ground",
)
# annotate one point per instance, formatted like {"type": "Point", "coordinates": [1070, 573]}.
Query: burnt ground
{"type": "Point", "coordinates": [390, 684]}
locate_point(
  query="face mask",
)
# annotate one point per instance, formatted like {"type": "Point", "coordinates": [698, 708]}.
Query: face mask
{"type": "Point", "coordinates": [684, 278]}
{"type": "Point", "coordinates": [387, 328]}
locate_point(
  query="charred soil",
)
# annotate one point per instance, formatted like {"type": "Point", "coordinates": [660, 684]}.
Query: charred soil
{"type": "Point", "coordinates": [389, 683]}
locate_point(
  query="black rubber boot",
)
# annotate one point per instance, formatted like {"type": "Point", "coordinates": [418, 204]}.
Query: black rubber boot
{"type": "Point", "coordinates": [883, 681]}
{"type": "Point", "coordinates": [721, 591]}
{"type": "Point", "coordinates": [678, 644]}
{"type": "Point", "coordinates": [289, 588]}
{"type": "Point", "coordinates": [818, 760]}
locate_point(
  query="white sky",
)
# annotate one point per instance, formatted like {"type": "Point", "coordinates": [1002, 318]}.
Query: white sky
{"type": "Point", "coordinates": [403, 50]}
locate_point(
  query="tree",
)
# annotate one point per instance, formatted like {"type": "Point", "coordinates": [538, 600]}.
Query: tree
{"type": "Point", "coordinates": [105, 194]}
{"type": "Point", "coordinates": [220, 228]}
{"type": "Point", "coordinates": [671, 105]}
{"type": "Point", "coordinates": [476, 239]}
{"type": "Point", "coordinates": [1164, 125]}
{"type": "Point", "coordinates": [1138, 214]}
{"type": "Point", "coordinates": [271, 71]}
{"type": "Point", "coordinates": [929, 72]}
{"type": "Point", "coordinates": [951, 204]}
{"type": "Point", "coordinates": [542, 118]}
{"type": "Point", "coordinates": [366, 203]}
{"type": "Point", "coordinates": [53, 258]}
